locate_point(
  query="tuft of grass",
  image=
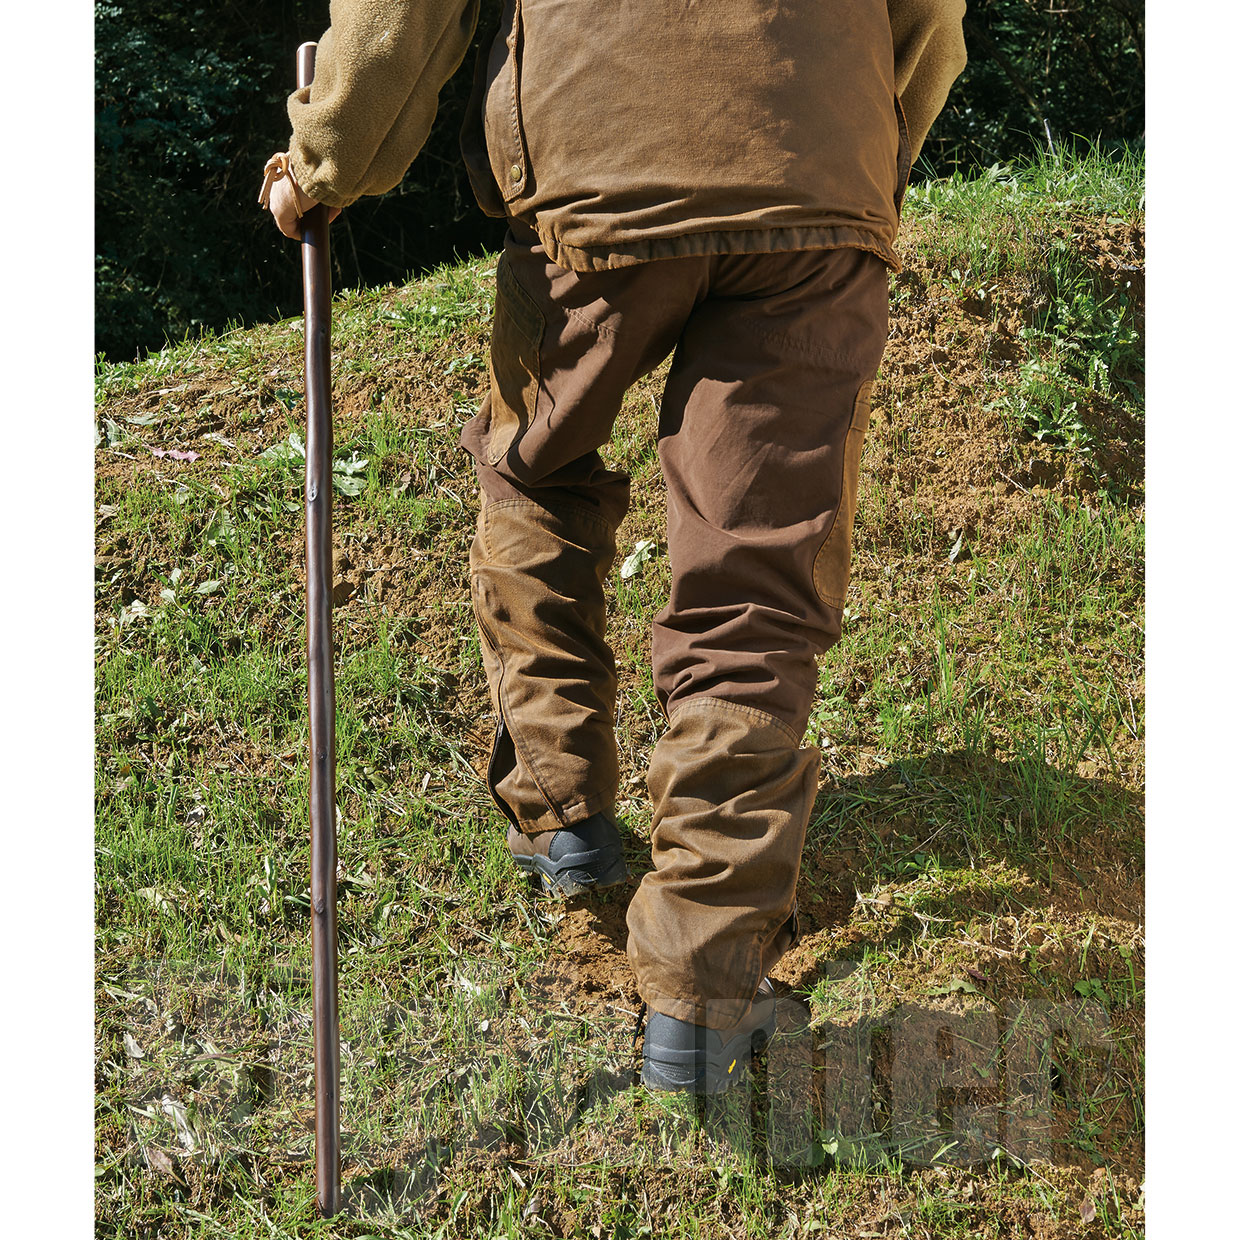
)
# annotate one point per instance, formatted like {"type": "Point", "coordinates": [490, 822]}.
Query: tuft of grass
{"type": "Point", "coordinates": [997, 223]}
{"type": "Point", "coordinates": [1018, 222]}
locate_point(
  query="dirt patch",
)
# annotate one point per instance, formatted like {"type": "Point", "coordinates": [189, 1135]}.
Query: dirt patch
{"type": "Point", "coordinates": [588, 971]}
{"type": "Point", "coordinates": [942, 441]}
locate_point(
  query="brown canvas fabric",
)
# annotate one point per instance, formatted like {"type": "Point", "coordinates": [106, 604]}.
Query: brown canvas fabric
{"type": "Point", "coordinates": [647, 130]}
{"type": "Point", "coordinates": [675, 129]}
{"type": "Point", "coordinates": [732, 793]}
{"type": "Point", "coordinates": [762, 419]}
{"type": "Point", "coordinates": [537, 579]}
{"type": "Point", "coordinates": [760, 429]}
{"type": "Point", "coordinates": [768, 390]}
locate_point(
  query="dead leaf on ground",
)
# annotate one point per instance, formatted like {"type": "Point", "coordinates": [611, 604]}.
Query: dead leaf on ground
{"type": "Point", "coordinates": [160, 1161]}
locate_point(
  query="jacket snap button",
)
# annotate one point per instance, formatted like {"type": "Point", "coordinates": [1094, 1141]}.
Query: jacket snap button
{"type": "Point", "coordinates": [515, 172]}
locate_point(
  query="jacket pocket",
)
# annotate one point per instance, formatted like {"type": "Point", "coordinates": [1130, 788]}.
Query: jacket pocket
{"type": "Point", "coordinates": [505, 137]}
{"type": "Point", "coordinates": [834, 558]}
{"type": "Point", "coordinates": [516, 343]}
{"type": "Point", "coordinates": [904, 155]}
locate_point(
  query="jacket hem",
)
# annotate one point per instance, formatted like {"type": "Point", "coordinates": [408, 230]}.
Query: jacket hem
{"type": "Point", "coordinates": [769, 240]}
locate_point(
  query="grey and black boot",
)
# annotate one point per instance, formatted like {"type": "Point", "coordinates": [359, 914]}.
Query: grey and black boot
{"type": "Point", "coordinates": [573, 861]}
{"type": "Point", "coordinates": [678, 1055]}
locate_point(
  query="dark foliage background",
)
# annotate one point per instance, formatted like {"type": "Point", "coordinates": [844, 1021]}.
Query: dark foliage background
{"type": "Point", "coordinates": [1073, 67]}
{"type": "Point", "coordinates": [190, 103]}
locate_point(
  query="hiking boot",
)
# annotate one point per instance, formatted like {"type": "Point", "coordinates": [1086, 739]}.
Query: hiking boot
{"type": "Point", "coordinates": [693, 1059]}
{"type": "Point", "coordinates": [574, 860]}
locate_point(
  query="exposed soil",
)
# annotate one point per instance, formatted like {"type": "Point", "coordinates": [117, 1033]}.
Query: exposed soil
{"type": "Point", "coordinates": [943, 441]}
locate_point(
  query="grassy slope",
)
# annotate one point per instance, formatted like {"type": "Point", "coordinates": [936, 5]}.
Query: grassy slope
{"type": "Point", "coordinates": [976, 841]}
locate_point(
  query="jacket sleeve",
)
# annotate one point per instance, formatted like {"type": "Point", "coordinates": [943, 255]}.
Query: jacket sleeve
{"type": "Point", "coordinates": [928, 41]}
{"type": "Point", "coordinates": [378, 73]}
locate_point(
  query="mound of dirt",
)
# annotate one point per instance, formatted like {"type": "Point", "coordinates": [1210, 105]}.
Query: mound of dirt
{"type": "Point", "coordinates": [942, 437]}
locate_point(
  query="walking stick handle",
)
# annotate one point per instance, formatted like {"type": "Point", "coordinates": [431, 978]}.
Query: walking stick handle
{"type": "Point", "coordinates": [321, 688]}
{"type": "Point", "coordinates": [305, 64]}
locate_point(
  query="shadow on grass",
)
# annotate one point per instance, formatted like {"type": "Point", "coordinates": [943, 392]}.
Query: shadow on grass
{"type": "Point", "coordinates": [969, 835]}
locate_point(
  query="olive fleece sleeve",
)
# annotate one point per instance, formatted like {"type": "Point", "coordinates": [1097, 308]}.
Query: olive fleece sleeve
{"type": "Point", "coordinates": [930, 55]}
{"type": "Point", "coordinates": [378, 73]}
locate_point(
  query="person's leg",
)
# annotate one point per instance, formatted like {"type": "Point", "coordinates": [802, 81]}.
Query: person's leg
{"type": "Point", "coordinates": [565, 348]}
{"type": "Point", "coordinates": [766, 407]}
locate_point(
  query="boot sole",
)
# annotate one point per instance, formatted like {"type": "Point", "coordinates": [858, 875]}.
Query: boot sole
{"type": "Point", "coordinates": [576, 874]}
{"type": "Point", "coordinates": [711, 1073]}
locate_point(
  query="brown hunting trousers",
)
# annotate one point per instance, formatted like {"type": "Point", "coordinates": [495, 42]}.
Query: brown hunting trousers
{"type": "Point", "coordinates": [760, 433]}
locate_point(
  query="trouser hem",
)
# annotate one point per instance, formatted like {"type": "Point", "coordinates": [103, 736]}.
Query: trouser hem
{"type": "Point", "coordinates": [719, 1013]}
{"type": "Point", "coordinates": [570, 813]}
{"type": "Point", "coordinates": [709, 1013]}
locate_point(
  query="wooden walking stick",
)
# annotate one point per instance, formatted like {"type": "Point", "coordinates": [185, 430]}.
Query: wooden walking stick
{"type": "Point", "coordinates": [321, 687]}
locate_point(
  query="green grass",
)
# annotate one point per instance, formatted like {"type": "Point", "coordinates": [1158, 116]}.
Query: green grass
{"type": "Point", "coordinates": [994, 224]}
{"type": "Point", "coordinates": [975, 847]}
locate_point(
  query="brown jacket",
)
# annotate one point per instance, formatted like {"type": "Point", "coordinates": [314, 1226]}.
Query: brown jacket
{"type": "Point", "coordinates": [657, 128]}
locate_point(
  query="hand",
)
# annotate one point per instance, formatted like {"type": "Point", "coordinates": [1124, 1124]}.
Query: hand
{"type": "Point", "coordinates": [288, 202]}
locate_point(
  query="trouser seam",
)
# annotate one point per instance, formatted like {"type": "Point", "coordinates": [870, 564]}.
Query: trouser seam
{"type": "Point", "coordinates": [581, 317]}
{"type": "Point", "coordinates": [753, 712]}
{"type": "Point", "coordinates": [580, 807]}
{"type": "Point", "coordinates": [564, 509]}
{"type": "Point", "coordinates": [506, 714]}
